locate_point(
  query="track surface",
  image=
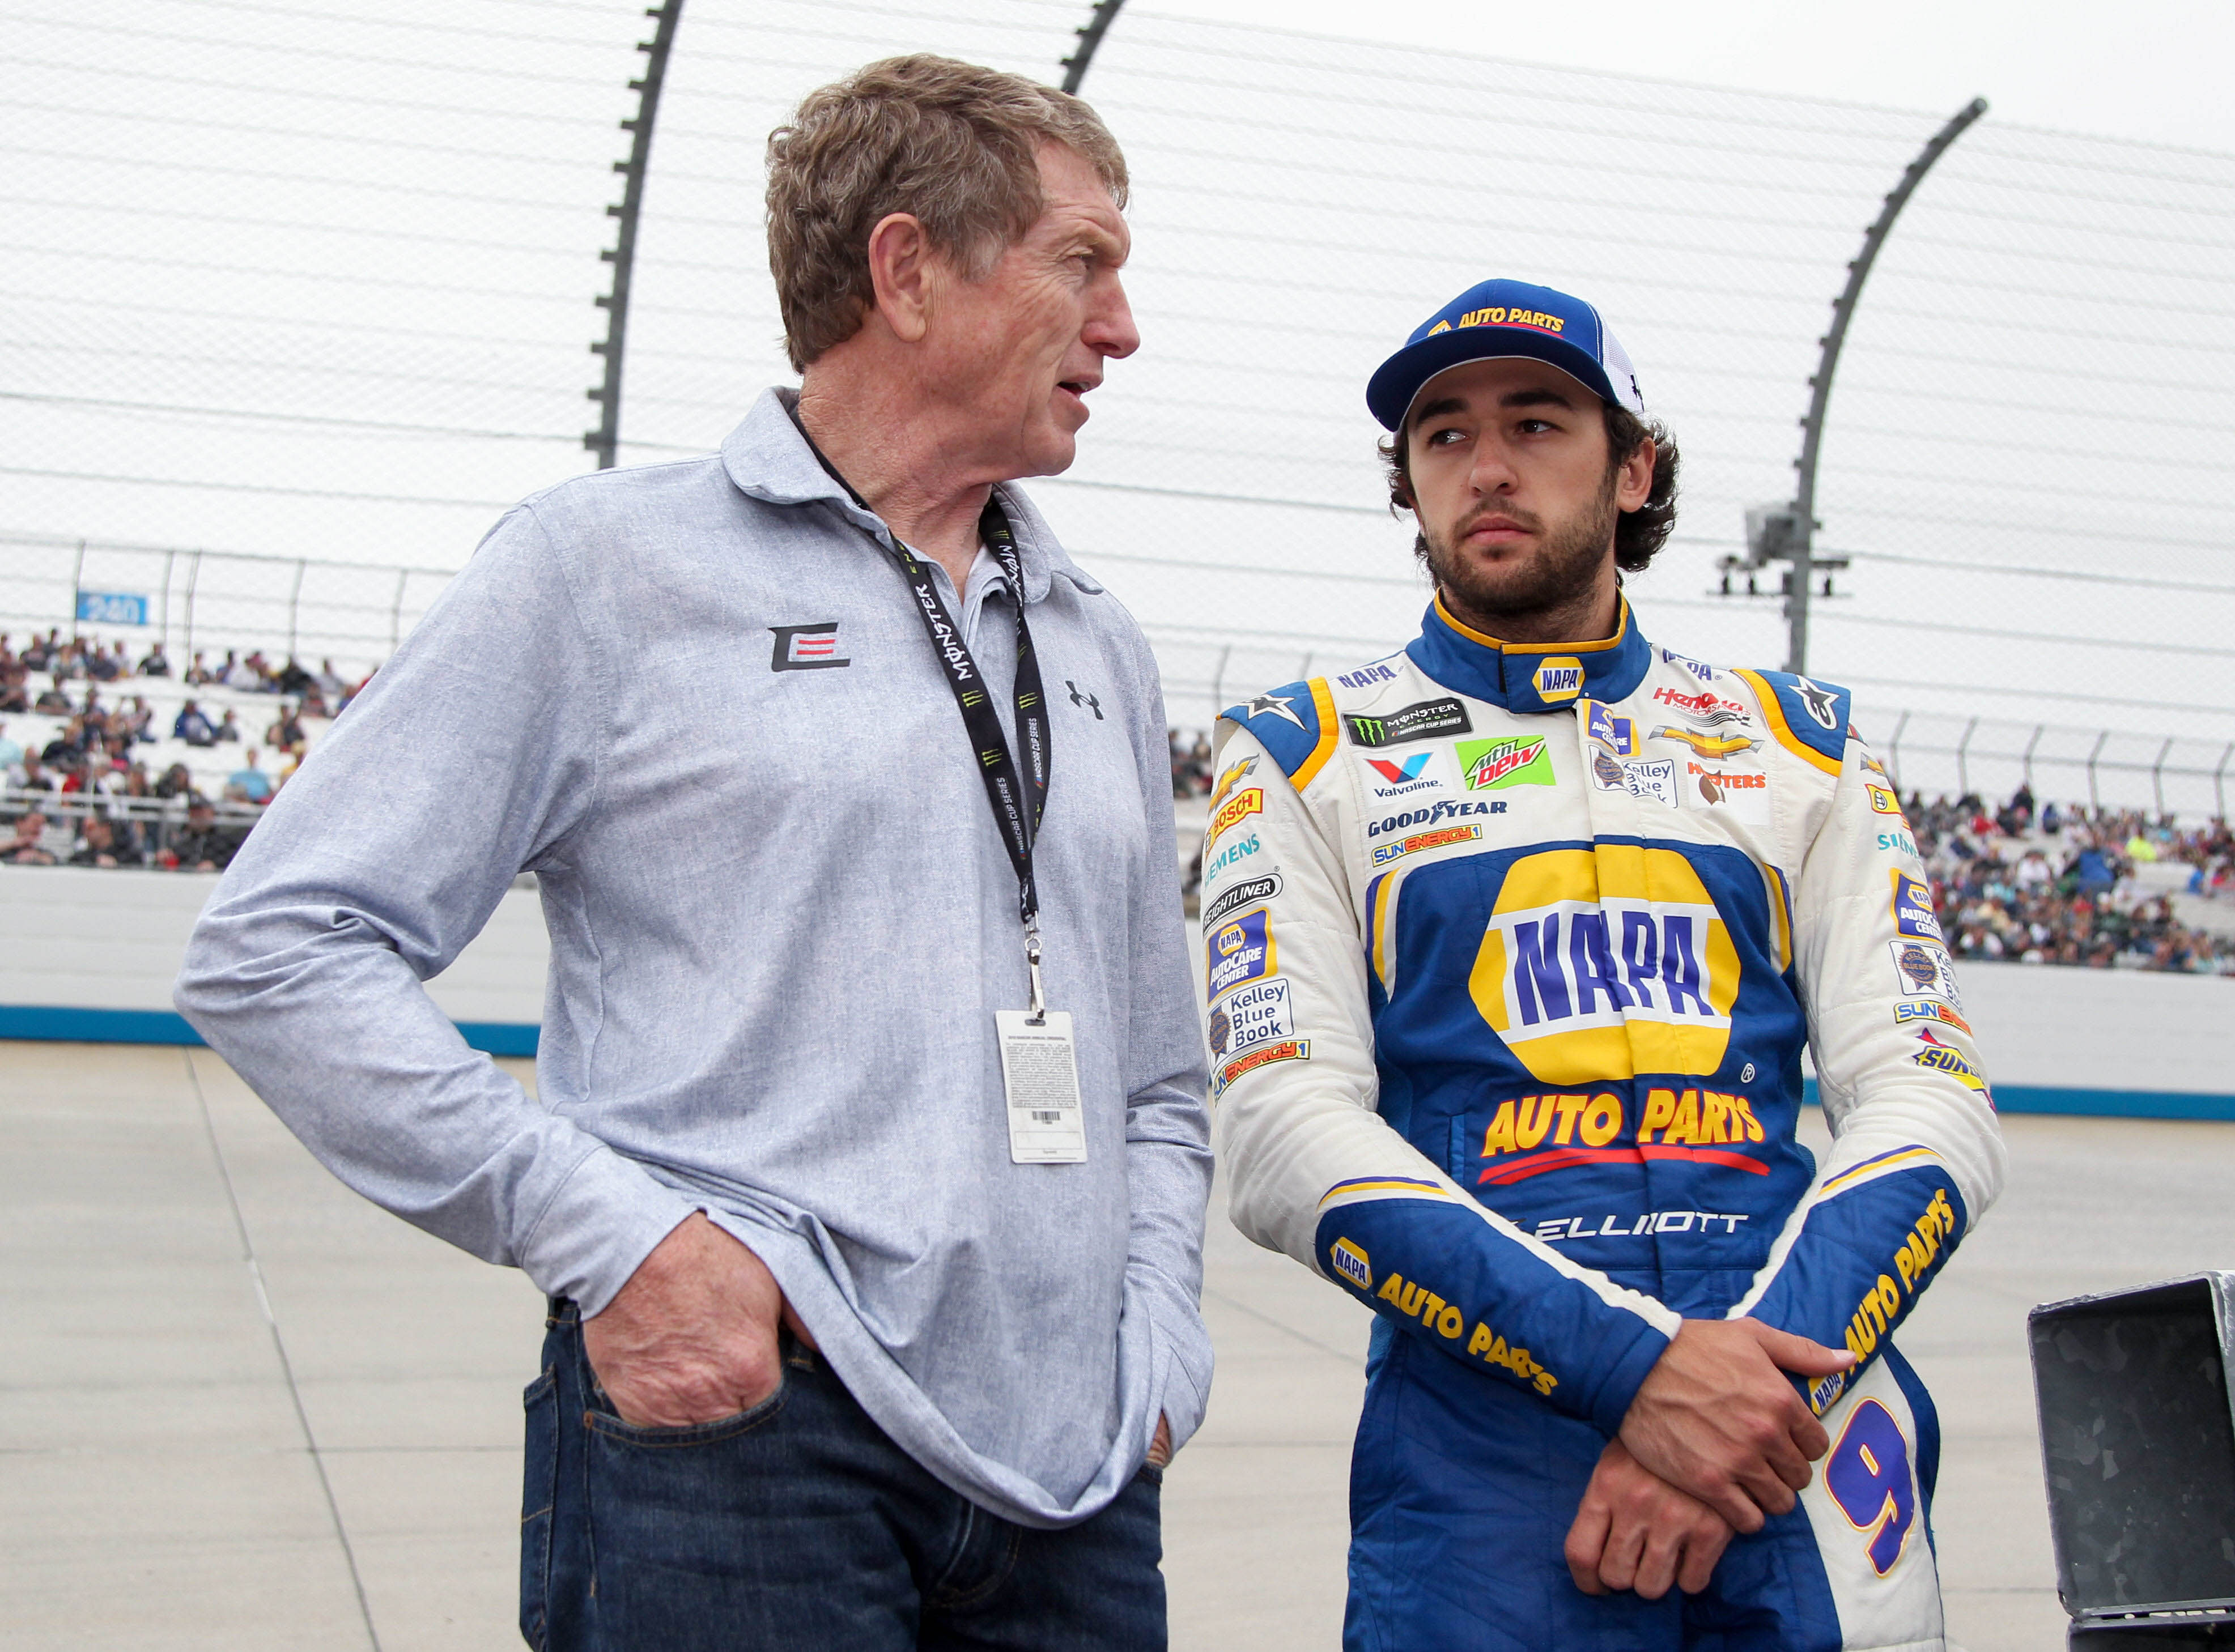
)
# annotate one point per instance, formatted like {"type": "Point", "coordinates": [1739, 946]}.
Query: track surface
{"type": "Point", "coordinates": [182, 1467]}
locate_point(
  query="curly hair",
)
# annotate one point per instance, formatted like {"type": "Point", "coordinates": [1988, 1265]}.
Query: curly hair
{"type": "Point", "coordinates": [1638, 534]}
{"type": "Point", "coordinates": [953, 143]}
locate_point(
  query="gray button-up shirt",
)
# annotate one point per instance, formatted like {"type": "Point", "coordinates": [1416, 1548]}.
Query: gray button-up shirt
{"type": "Point", "coordinates": [781, 922]}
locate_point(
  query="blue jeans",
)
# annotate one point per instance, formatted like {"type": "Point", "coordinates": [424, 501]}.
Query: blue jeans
{"type": "Point", "coordinates": [798, 1526]}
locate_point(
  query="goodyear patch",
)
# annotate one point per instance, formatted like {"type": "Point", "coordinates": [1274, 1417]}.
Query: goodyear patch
{"type": "Point", "coordinates": [1351, 1263]}
{"type": "Point", "coordinates": [1558, 680]}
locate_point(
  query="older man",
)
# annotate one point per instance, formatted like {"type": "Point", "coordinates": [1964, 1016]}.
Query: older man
{"type": "Point", "coordinates": [869, 1165]}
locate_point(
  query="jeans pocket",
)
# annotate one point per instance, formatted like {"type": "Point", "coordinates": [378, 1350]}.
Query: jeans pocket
{"type": "Point", "coordinates": [538, 1492]}
{"type": "Point", "coordinates": [690, 1434]}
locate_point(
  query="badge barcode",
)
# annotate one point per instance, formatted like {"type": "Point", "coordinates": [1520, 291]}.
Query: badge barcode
{"type": "Point", "coordinates": [1048, 1117]}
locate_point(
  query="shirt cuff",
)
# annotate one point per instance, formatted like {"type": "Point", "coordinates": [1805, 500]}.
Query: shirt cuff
{"type": "Point", "coordinates": [606, 1218]}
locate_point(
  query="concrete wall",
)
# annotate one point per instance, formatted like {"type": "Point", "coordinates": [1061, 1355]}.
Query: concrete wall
{"type": "Point", "coordinates": [105, 946]}
{"type": "Point", "coordinates": [91, 954]}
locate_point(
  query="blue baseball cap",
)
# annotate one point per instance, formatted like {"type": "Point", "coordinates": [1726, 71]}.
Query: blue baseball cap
{"type": "Point", "coordinates": [1502, 318]}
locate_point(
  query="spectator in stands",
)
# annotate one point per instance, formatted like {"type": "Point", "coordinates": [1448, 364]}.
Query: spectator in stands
{"type": "Point", "coordinates": [203, 846]}
{"type": "Point", "coordinates": [15, 689]}
{"type": "Point", "coordinates": [28, 848]}
{"type": "Point", "coordinates": [199, 675]}
{"type": "Point", "coordinates": [154, 663]}
{"type": "Point", "coordinates": [41, 652]}
{"type": "Point", "coordinates": [331, 685]}
{"type": "Point", "coordinates": [96, 845]}
{"type": "Point", "coordinates": [102, 666]}
{"type": "Point", "coordinates": [248, 784]}
{"type": "Point", "coordinates": [53, 701]}
{"type": "Point", "coordinates": [176, 781]}
{"type": "Point", "coordinates": [34, 776]}
{"type": "Point", "coordinates": [133, 721]}
{"type": "Point", "coordinates": [228, 730]}
{"type": "Point", "coordinates": [193, 725]}
{"type": "Point", "coordinates": [11, 751]}
{"type": "Point", "coordinates": [291, 678]}
{"type": "Point", "coordinates": [286, 729]}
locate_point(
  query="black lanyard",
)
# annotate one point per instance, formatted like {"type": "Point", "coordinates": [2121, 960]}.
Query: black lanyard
{"type": "Point", "coordinates": [1019, 802]}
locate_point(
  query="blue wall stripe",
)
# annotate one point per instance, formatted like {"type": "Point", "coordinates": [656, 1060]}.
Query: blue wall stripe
{"type": "Point", "coordinates": [48, 1021]}
{"type": "Point", "coordinates": [2098, 1104]}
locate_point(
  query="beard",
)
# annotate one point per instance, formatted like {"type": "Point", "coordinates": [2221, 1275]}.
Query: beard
{"type": "Point", "coordinates": [1557, 575]}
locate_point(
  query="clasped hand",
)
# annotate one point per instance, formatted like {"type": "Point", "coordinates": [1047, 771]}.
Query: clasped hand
{"type": "Point", "coordinates": [1716, 1441]}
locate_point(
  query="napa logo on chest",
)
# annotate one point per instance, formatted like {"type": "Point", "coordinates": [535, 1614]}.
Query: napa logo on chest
{"type": "Point", "coordinates": [1601, 964]}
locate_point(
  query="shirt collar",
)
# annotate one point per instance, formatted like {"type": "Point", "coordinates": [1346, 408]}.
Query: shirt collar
{"type": "Point", "coordinates": [768, 458]}
{"type": "Point", "coordinates": [1526, 678]}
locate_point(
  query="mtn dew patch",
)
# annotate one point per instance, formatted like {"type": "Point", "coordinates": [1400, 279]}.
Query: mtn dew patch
{"type": "Point", "coordinates": [1493, 765]}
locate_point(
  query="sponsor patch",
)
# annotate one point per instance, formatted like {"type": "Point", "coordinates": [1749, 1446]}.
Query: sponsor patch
{"type": "Point", "coordinates": [1897, 843]}
{"type": "Point", "coordinates": [1705, 672]}
{"type": "Point", "coordinates": [1230, 854]}
{"type": "Point", "coordinates": [1882, 802]}
{"type": "Point", "coordinates": [1391, 777]}
{"type": "Point", "coordinates": [1288, 1049]}
{"type": "Point", "coordinates": [806, 648]}
{"type": "Point", "coordinates": [1384, 853]}
{"type": "Point", "coordinates": [1564, 1229]}
{"type": "Point", "coordinates": [1617, 734]}
{"type": "Point", "coordinates": [1430, 814]}
{"type": "Point", "coordinates": [1350, 1262]}
{"type": "Point", "coordinates": [1366, 676]}
{"type": "Point", "coordinates": [1248, 893]}
{"type": "Point", "coordinates": [1252, 1014]}
{"type": "Point", "coordinates": [1648, 779]}
{"type": "Point", "coordinates": [1596, 966]}
{"type": "Point", "coordinates": [1709, 709]}
{"type": "Point", "coordinates": [1244, 803]}
{"type": "Point", "coordinates": [1713, 747]}
{"type": "Point", "coordinates": [1239, 950]}
{"type": "Point", "coordinates": [1744, 791]}
{"type": "Point", "coordinates": [1558, 680]}
{"type": "Point", "coordinates": [1274, 705]}
{"type": "Point", "coordinates": [1906, 1010]}
{"type": "Point", "coordinates": [1423, 720]}
{"type": "Point", "coordinates": [1821, 704]}
{"type": "Point", "coordinates": [1493, 765]}
{"type": "Point", "coordinates": [1234, 774]}
{"type": "Point", "coordinates": [1912, 908]}
{"type": "Point", "coordinates": [1925, 970]}
{"type": "Point", "coordinates": [1941, 1059]}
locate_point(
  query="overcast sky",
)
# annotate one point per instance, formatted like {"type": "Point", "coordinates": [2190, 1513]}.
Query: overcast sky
{"type": "Point", "coordinates": [2150, 69]}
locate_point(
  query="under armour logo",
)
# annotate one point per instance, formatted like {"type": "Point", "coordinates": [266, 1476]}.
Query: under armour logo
{"type": "Point", "coordinates": [1087, 700]}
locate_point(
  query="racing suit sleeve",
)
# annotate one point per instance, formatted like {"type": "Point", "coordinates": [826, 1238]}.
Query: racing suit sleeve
{"type": "Point", "coordinates": [1316, 1172]}
{"type": "Point", "coordinates": [1917, 1155]}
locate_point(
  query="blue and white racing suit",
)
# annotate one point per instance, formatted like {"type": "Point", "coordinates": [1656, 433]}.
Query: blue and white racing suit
{"type": "Point", "coordinates": [1512, 955]}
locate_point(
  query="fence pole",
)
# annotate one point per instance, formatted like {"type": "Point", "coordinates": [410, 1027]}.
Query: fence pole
{"type": "Point", "coordinates": [1812, 427]}
{"type": "Point", "coordinates": [1090, 38]}
{"type": "Point", "coordinates": [2157, 774]}
{"type": "Point", "coordinates": [1218, 682]}
{"type": "Point", "coordinates": [295, 605]}
{"type": "Point", "coordinates": [2030, 744]}
{"type": "Point", "coordinates": [2094, 802]}
{"type": "Point", "coordinates": [1893, 752]}
{"type": "Point", "coordinates": [1963, 760]}
{"type": "Point", "coordinates": [163, 632]}
{"type": "Point", "coordinates": [193, 573]}
{"type": "Point", "coordinates": [2220, 779]}
{"type": "Point", "coordinates": [395, 611]}
{"type": "Point", "coordinates": [604, 441]}
{"type": "Point", "coordinates": [77, 585]}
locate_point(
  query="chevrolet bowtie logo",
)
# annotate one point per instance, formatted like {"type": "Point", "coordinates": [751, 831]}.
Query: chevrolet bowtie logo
{"type": "Point", "coordinates": [1087, 700]}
